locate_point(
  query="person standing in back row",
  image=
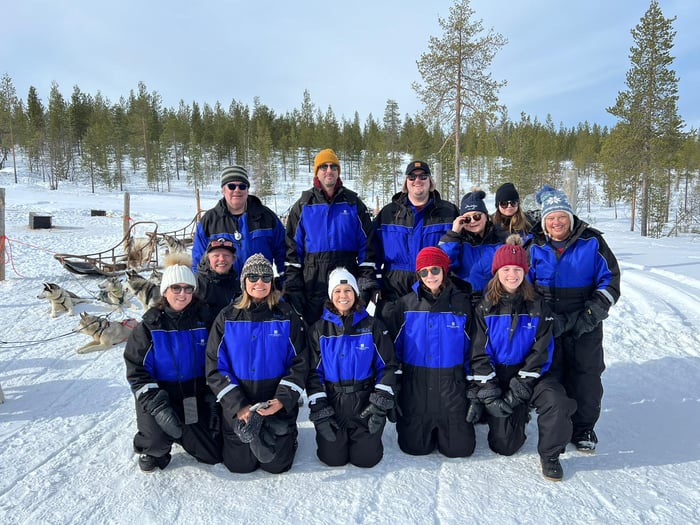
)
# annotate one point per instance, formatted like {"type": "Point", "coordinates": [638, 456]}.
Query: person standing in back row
{"type": "Point", "coordinates": [329, 226]}
{"type": "Point", "coordinates": [576, 273]}
{"type": "Point", "coordinates": [509, 215]}
{"type": "Point", "coordinates": [243, 219]}
{"type": "Point", "coordinates": [415, 218]}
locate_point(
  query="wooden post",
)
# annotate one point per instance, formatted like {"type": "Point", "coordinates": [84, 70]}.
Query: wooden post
{"type": "Point", "coordinates": [3, 239]}
{"type": "Point", "coordinates": [196, 198]}
{"type": "Point", "coordinates": [125, 217]}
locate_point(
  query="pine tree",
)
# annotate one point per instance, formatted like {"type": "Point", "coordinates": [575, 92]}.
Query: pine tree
{"type": "Point", "coordinates": [648, 107]}
{"type": "Point", "coordinates": [454, 70]}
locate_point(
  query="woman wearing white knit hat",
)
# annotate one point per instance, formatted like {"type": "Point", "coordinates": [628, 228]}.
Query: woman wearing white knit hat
{"type": "Point", "coordinates": [164, 358]}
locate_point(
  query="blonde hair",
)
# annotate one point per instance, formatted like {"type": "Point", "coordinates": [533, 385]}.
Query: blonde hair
{"type": "Point", "coordinates": [245, 300]}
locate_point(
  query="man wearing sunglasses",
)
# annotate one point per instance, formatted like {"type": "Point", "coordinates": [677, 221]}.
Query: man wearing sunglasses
{"type": "Point", "coordinates": [327, 227]}
{"type": "Point", "coordinates": [415, 218]}
{"type": "Point", "coordinates": [242, 219]}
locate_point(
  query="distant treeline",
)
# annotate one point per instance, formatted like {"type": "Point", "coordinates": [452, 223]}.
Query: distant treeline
{"type": "Point", "coordinates": [92, 140]}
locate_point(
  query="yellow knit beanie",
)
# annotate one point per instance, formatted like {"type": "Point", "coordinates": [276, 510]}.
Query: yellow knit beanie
{"type": "Point", "coordinates": [326, 156]}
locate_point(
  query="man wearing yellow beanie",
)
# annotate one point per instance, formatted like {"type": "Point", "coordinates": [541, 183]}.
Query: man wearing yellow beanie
{"type": "Point", "coordinates": [329, 226]}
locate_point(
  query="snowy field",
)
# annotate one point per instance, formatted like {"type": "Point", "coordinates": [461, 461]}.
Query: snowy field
{"type": "Point", "coordinates": [67, 424]}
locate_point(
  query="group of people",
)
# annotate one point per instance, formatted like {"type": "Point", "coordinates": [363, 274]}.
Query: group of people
{"type": "Point", "coordinates": [475, 318]}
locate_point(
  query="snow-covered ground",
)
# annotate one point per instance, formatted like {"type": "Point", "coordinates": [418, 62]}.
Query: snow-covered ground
{"type": "Point", "coordinates": [67, 423]}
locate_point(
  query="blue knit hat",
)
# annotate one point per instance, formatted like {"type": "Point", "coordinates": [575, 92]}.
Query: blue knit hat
{"type": "Point", "coordinates": [552, 199]}
{"type": "Point", "coordinates": [473, 201]}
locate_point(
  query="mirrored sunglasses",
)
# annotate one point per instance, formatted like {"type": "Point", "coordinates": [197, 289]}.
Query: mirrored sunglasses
{"type": "Point", "coordinates": [508, 204]}
{"type": "Point", "coordinates": [413, 176]}
{"type": "Point", "coordinates": [254, 277]}
{"type": "Point", "coordinates": [176, 288]}
{"type": "Point", "coordinates": [237, 185]}
{"type": "Point", "coordinates": [435, 270]}
{"type": "Point", "coordinates": [476, 218]}
{"type": "Point", "coordinates": [326, 167]}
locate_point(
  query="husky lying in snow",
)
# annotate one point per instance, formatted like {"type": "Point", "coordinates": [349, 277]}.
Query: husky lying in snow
{"type": "Point", "coordinates": [61, 299]}
{"type": "Point", "coordinates": [104, 333]}
{"type": "Point", "coordinates": [144, 290]}
{"type": "Point", "coordinates": [111, 291]}
{"type": "Point", "coordinates": [173, 245]}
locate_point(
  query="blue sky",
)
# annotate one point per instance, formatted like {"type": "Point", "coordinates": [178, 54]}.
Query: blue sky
{"type": "Point", "coordinates": [565, 58]}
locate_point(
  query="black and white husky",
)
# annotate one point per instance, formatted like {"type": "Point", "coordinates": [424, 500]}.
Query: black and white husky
{"type": "Point", "coordinates": [104, 333]}
{"type": "Point", "coordinates": [61, 299]}
{"type": "Point", "coordinates": [147, 292]}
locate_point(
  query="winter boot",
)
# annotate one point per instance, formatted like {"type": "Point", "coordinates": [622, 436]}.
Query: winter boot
{"type": "Point", "coordinates": [149, 463]}
{"type": "Point", "coordinates": [585, 441]}
{"type": "Point", "coordinates": [551, 469]}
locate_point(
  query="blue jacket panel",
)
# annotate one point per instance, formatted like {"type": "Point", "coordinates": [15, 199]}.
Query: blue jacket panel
{"type": "Point", "coordinates": [510, 340]}
{"type": "Point", "coordinates": [330, 228]}
{"type": "Point", "coordinates": [261, 231]}
{"type": "Point", "coordinates": [568, 278]}
{"type": "Point", "coordinates": [433, 340]}
{"type": "Point", "coordinates": [177, 355]}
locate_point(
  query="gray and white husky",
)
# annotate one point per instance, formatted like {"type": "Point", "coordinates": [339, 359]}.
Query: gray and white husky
{"type": "Point", "coordinates": [104, 333]}
{"type": "Point", "coordinates": [147, 292]}
{"type": "Point", "coordinates": [173, 244]}
{"type": "Point", "coordinates": [111, 291]}
{"type": "Point", "coordinates": [61, 300]}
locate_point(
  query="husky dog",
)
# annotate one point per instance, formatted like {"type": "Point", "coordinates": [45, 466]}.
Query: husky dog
{"type": "Point", "coordinates": [155, 277]}
{"type": "Point", "coordinates": [61, 299]}
{"type": "Point", "coordinates": [111, 291]}
{"type": "Point", "coordinates": [173, 244]}
{"type": "Point", "coordinates": [104, 333]}
{"type": "Point", "coordinates": [140, 249]}
{"type": "Point", "coordinates": [144, 290]}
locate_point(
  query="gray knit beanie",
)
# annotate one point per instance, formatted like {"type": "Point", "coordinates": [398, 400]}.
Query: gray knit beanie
{"type": "Point", "coordinates": [256, 264]}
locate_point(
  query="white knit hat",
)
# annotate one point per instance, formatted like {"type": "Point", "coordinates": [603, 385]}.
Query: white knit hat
{"type": "Point", "coordinates": [177, 271]}
{"type": "Point", "coordinates": [341, 276]}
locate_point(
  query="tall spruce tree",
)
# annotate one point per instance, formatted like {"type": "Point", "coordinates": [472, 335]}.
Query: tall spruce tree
{"type": "Point", "coordinates": [457, 83]}
{"type": "Point", "coordinates": [648, 107]}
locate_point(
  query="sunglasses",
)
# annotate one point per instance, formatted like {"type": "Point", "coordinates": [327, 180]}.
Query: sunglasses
{"type": "Point", "coordinates": [221, 243]}
{"type": "Point", "coordinates": [413, 176]}
{"type": "Point", "coordinates": [506, 204]}
{"type": "Point", "coordinates": [326, 167]}
{"type": "Point", "coordinates": [435, 270]}
{"type": "Point", "coordinates": [254, 277]}
{"type": "Point", "coordinates": [176, 288]}
{"type": "Point", "coordinates": [476, 218]}
{"type": "Point", "coordinates": [237, 186]}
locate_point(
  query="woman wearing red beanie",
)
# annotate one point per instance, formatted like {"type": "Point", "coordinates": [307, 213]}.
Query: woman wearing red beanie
{"type": "Point", "coordinates": [431, 325]}
{"type": "Point", "coordinates": [511, 356]}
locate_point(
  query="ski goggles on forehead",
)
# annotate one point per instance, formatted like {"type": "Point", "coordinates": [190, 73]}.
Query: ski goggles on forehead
{"type": "Point", "coordinates": [435, 270]}
{"type": "Point", "coordinates": [221, 243]}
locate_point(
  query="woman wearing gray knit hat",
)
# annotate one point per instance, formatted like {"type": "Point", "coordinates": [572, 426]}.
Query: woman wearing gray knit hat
{"type": "Point", "coordinates": [256, 367]}
{"type": "Point", "coordinates": [577, 274]}
{"type": "Point", "coordinates": [164, 359]}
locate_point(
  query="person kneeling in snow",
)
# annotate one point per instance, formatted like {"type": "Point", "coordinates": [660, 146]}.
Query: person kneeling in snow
{"type": "Point", "coordinates": [257, 366]}
{"type": "Point", "coordinates": [164, 359]}
{"type": "Point", "coordinates": [511, 353]}
{"type": "Point", "coordinates": [351, 383]}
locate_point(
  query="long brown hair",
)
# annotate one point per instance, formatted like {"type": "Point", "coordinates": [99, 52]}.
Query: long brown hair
{"type": "Point", "coordinates": [517, 223]}
{"type": "Point", "coordinates": [495, 290]}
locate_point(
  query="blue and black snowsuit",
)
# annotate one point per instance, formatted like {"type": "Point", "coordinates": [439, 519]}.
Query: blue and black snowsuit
{"type": "Point", "coordinates": [257, 354]}
{"type": "Point", "coordinates": [433, 347]}
{"type": "Point", "coordinates": [166, 351]}
{"type": "Point", "coordinates": [576, 277]}
{"type": "Point", "coordinates": [351, 357]}
{"type": "Point", "coordinates": [400, 232]}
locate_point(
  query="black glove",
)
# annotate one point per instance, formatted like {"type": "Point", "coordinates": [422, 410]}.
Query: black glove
{"type": "Point", "coordinates": [490, 396]}
{"type": "Point", "coordinates": [322, 415]}
{"type": "Point", "coordinates": [277, 281]}
{"type": "Point", "coordinates": [563, 323]}
{"type": "Point", "coordinates": [475, 409]}
{"type": "Point", "coordinates": [248, 432]}
{"type": "Point", "coordinates": [592, 314]}
{"type": "Point", "coordinates": [214, 423]}
{"type": "Point", "coordinates": [519, 391]}
{"type": "Point", "coordinates": [380, 402]}
{"type": "Point", "coordinates": [369, 289]}
{"type": "Point", "coordinates": [164, 413]}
